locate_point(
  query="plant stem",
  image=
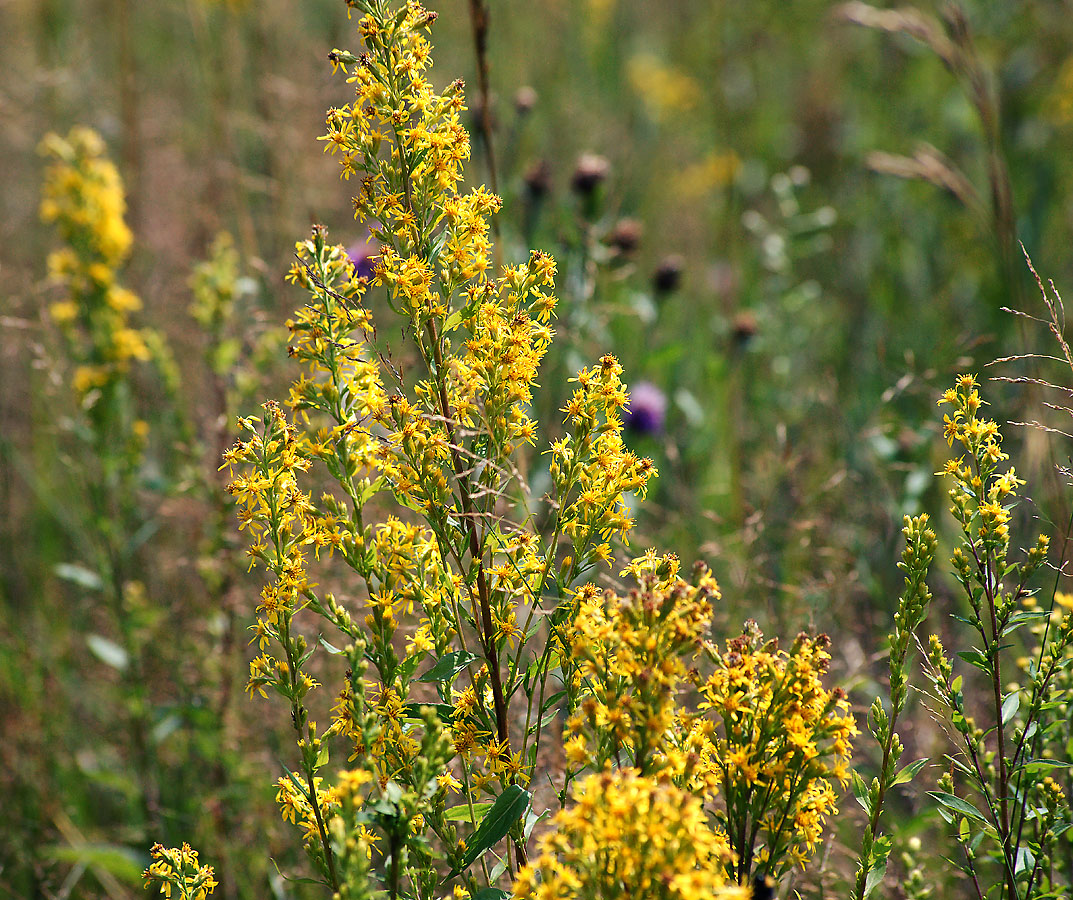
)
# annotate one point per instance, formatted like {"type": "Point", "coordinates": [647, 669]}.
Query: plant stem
{"type": "Point", "coordinates": [1000, 728]}
{"type": "Point", "coordinates": [486, 628]}
{"type": "Point", "coordinates": [478, 15]}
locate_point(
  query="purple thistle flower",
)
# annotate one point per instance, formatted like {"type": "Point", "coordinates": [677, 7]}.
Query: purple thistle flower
{"type": "Point", "coordinates": [647, 410]}
{"type": "Point", "coordinates": [361, 255]}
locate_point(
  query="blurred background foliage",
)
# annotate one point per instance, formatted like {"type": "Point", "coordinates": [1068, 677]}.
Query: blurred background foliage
{"type": "Point", "coordinates": [793, 222]}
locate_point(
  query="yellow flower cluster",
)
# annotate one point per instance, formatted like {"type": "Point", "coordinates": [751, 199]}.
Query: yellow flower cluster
{"type": "Point", "coordinates": [278, 515]}
{"type": "Point", "coordinates": [407, 142]}
{"type": "Point", "coordinates": [699, 179]}
{"type": "Point", "coordinates": [780, 737]}
{"type": "Point", "coordinates": [443, 444]}
{"type": "Point", "coordinates": [509, 334]}
{"type": "Point", "coordinates": [453, 585]}
{"type": "Point", "coordinates": [410, 190]}
{"type": "Point", "coordinates": [980, 495]}
{"type": "Point", "coordinates": [178, 870]}
{"type": "Point", "coordinates": [429, 142]}
{"type": "Point", "coordinates": [667, 91]}
{"type": "Point", "coordinates": [341, 380]}
{"type": "Point", "coordinates": [83, 197]}
{"type": "Point", "coordinates": [627, 835]}
{"type": "Point", "coordinates": [630, 654]}
{"type": "Point", "coordinates": [295, 807]}
{"type": "Point", "coordinates": [490, 762]}
{"type": "Point", "coordinates": [1027, 720]}
{"type": "Point", "coordinates": [592, 468]}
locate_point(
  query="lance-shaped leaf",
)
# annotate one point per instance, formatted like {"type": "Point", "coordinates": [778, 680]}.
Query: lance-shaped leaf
{"type": "Point", "coordinates": [508, 808]}
{"type": "Point", "coordinates": [447, 666]}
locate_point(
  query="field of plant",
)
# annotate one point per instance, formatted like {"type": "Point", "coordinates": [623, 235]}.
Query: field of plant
{"type": "Point", "coordinates": [629, 457]}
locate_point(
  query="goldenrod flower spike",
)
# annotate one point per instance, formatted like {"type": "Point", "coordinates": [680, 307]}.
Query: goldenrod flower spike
{"type": "Point", "coordinates": [83, 197]}
{"type": "Point", "coordinates": [178, 874]}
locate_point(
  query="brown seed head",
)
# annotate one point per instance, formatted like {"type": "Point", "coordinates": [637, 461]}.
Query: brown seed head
{"type": "Point", "coordinates": [626, 235]}
{"type": "Point", "coordinates": [591, 170]}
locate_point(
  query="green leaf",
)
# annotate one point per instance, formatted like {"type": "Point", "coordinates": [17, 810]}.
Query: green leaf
{"type": "Point", "coordinates": [1010, 706]}
{"type": "Point", "coordinates": [408, 666]}
{"type": "Point", "coordinates": [874, 878]}
{"type": "Point", "coordinates": [1035, 766]}
{"type": "Point", "coordinates": [549, 717]}
{"type": "Point", "coordinates": [491, 893]}
{"type": "Point", "coordinates": [333, 650]}
{"type": "Point", "coordinates": [507, 809]}
{"type": "Point", "coordinates": [121, 862]}
{"type": "Point", "coordinates": [498, 869]}
{"type": "Point", "coordinates": [370, 489]}
{"type": "Point", "coordinates": [445, 711]}
{"type": "Point", "coordinates": [461, 813]}
{"type": "Point", "coordinates": [322, 756]}
{"type": "Point", "coordinates": [959, 806]}
{"type": "Point", "coordinates": [166, 727]}
{"type": "Point", "coordinates": [860, 791]}
{"type": "Point", "coordinates": [447, 666]}
{"type": "Point", "coordinates": [79, 575]}
{"type": "Point", "coordinates": [908, 773]}
{"type": "Point", "coordinates": [531, 819]}
{"type": "Point", "coordinates": [108, 652]}
{"type": "Point", "coordinates": [1023, 617]}
{"type": "Point", "coordinates": [959, 766]}
{"type": "Point", "coordinates": [976, 658]}
{"type": "Point", "coordinates": [453, 320]}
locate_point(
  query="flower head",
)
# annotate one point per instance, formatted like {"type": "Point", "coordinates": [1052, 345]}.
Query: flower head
{"type": "Point", "coordinates": [647, 410]}
{"type": "Point", "coordinates": [626, 835]}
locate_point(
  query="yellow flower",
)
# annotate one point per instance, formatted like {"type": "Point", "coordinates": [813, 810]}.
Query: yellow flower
{"type": "Point", "coordinates": [576, 753]}
{"type": "Point", "coordinates": [178, 869]}
{"type": "Point", "coordinates": [448, 781]}
{"type": "Point", "coordinates": [63, 312]}
{"type": "Point", "coordinates": [630, 836]}
{"type": "Point", "coordinates": [665, 90]}
{"type": "Point", "coordinates": [83, 198]}
{"type": "Point", "coordinates": [631, 654]}
{"type": "Point", "coordinates": [779, 738]}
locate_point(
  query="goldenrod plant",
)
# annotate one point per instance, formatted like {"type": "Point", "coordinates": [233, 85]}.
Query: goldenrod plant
{"type": "Point", "coordinates": [110, 376]}
{"type": "Point", "coordinates": [920, 545]}
{"type": "Point", "coordinates": [999, 793]}
{"type": "Point", "coordinates": [465, 611]}
{"type": "Point", "coordinates": [238, 351]}
{"type": "Point", "coordinates": [1002, 789]}
{"type": "Point", "coordinates": [106, 430]}
{"type": "Point", "coordinates": [626, 834]}
{"type": "Point", "coordinates": [178, 873]}
{"type": "Point", "coordinates": [780, 741]}
{"type": "Point", "coordinates": [83, 197]}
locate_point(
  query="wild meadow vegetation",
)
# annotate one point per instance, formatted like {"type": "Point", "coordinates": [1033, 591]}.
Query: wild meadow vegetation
{"type": "Point", "coordinates": [628, 458]}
